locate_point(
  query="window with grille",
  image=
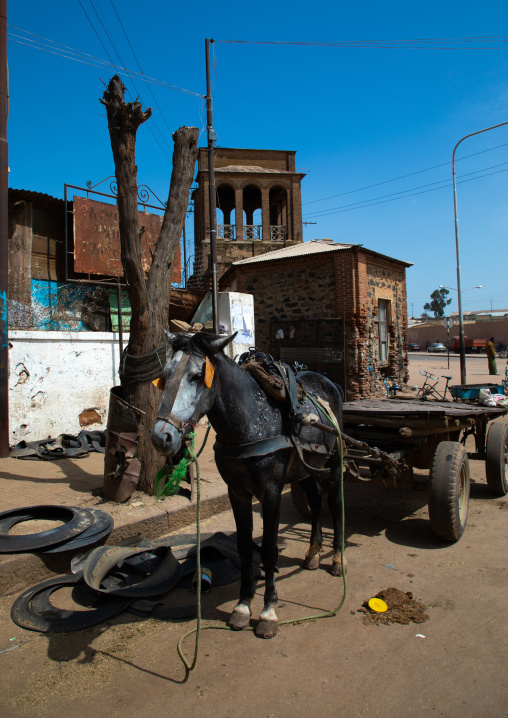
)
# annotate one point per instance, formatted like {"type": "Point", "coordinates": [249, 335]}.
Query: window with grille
{"type": "Point", "coordinates": [383, 319]}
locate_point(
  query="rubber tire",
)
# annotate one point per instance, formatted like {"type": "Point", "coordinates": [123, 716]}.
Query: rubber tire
{"type": "Point", "coordinates": [449, 491]}
{"type": "Point", "coordinates": [33, 609]}
{"type": "Point", "coordinates": [76, 519]}
{"type": "Point", "coordinates": [496, 466]}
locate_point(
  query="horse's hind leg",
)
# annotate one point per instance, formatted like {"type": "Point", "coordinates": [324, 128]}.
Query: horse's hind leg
{"type": "Point", "coordinates": [335, 505]}
{"type": "Point", "coordinates": [242, 510]}
{"type": "Point", "coordinates": [312, 490]}
{"type": "Point", "coordinates": [268, 623]}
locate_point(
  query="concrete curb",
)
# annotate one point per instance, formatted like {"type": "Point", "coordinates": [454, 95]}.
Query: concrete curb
{"type": "Point", "coordinates": [20, 571]}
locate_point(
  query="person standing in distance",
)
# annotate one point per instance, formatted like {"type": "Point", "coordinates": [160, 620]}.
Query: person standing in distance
{"type": "Point", "coordinates": [491, 356]}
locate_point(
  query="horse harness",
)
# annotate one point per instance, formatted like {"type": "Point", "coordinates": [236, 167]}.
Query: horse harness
{"type": "Point", "coordinates": [261, 447]}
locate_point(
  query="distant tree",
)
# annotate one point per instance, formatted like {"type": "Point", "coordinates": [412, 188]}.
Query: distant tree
{"type": "Point", "coordinates": [425, 315]}
{"type": "Point", "coordinates": [438, 301]}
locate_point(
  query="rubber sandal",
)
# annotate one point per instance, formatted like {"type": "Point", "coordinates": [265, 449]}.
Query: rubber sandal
{"type": "Point", "coordinates": [95, 440]}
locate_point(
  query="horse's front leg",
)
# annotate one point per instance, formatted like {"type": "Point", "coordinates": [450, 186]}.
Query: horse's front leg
{"type": "Point", "coordinates": [268, 623]}
{"type": "Point", "coordinates": [313, 492]}
{"type": "Point", "coordinates": [335, 506]}
{"type": "Point", "coordinates": [242, 510]}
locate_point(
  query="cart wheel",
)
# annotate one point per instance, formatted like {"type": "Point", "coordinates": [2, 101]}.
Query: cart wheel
{"type": "Point", "coordinates": [299, 499]}
{"type": "Point", "coordinates": [449, 491]}
{"type": "Point", "coordinates": [497, 458]}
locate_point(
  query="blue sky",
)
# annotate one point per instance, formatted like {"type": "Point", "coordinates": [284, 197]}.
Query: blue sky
{"type": "Point", "coordinates": [359, 117]}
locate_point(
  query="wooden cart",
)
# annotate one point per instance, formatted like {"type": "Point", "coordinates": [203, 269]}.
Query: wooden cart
{"type": "Point", "coordinates": [386, 439]}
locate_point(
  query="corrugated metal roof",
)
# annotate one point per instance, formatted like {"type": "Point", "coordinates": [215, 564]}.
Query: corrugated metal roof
{"type": "Point", "coordinates": [315, 246]}
{"type": "Point", "coordinates": [18, 195]}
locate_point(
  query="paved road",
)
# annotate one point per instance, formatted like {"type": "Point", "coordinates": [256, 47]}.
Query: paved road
{"type": "Point", "coordinates": [476, 368]}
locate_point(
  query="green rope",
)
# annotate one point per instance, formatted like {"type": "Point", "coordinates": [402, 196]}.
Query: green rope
{"type": "Point", "coordinates": [174, 476]}
{"type": "Point", "coordinates": [221, 627]}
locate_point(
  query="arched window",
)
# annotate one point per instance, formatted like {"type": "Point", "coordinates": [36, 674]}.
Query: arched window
{"type": "Point", "coordinates": [225, 212]}
{"type": "Point", "coordinates": [278, 202]}
{"type": "Point", "coordinates": [252, 212]}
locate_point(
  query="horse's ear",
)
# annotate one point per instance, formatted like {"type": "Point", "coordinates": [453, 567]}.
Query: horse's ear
{"type": "Point", "coordinates": [168, 334]}
{"type": "Point", "coordinates": [221, 343]}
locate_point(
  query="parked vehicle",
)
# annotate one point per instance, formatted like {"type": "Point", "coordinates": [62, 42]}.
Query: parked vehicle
{"type": "Point", "coordinates": [437, 347]}
{"type": "Point", "coordinates": [472, 346]}
{"type": "Point", "coordinates": [411, 347]}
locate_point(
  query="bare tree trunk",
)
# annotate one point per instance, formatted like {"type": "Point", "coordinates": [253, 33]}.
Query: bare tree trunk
{"type": "Point", "coordinates": [149, 297]}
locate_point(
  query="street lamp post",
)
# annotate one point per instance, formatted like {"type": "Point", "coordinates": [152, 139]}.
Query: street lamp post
{"type": "Point", "coordinates": [459, 293]}
{"type": "Point", "coordinates": [442, 286]}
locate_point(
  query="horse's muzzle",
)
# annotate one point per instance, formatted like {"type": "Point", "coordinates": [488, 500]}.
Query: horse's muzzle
{"type": "Point", "coordinates": [166, 438]}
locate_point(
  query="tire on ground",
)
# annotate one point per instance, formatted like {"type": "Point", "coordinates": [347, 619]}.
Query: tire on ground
{"type": "Point", "coordinates": [449, 491]}
{"type": "Point", "coordinates": [496, 466]}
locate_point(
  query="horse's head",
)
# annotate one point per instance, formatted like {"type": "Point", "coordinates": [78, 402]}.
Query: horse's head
{"type": "Point", "coordinates": [188, 387]}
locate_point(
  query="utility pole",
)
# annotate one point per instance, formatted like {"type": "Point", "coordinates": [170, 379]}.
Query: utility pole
{"type": "Point", "coordinates": [457, 250]}
{"type": "Point", "coordinates": [4, 238]}
{"type": "Point", "coordinates": [212, 137]}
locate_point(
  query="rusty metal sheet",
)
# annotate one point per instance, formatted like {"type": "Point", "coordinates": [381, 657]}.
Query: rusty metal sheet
{"type": "Point", "coordinates": [97, 239]}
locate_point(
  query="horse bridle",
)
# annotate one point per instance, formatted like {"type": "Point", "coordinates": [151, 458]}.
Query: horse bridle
{"type": "Point", "coordinates": [166, 406]}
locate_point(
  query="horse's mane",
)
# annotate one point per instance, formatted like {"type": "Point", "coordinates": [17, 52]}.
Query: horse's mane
{"type": "Point", "coordinates": [199, 343]}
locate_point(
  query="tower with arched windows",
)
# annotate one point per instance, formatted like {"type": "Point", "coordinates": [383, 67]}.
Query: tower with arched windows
{"type": "Point", "coordinates": [258, 205]}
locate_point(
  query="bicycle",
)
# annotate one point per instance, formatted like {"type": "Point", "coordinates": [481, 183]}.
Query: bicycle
{"type": "Point", "coordinates": [429, 391]}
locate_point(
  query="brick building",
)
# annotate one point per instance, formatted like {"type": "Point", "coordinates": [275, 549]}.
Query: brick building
{"type": "Point", "coordinates": [337, 307]}
{"type": "Point", "coordinates": [258, 203]}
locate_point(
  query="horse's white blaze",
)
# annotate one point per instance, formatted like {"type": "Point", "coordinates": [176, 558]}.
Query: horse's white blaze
{"type": "Point", "coordinates": [164, 435]}
{"type": "Point", "coordinates": [189, 392]}
{"type": "Point", "coordinates": [268, 614]}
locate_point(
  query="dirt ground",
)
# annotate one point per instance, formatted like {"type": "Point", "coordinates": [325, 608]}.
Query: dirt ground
{"type": "Point", "coordinates": [453, 664]}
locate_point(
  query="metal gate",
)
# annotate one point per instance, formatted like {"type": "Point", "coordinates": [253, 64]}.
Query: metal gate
{"type": "Point", "coordinates": [318, 343]}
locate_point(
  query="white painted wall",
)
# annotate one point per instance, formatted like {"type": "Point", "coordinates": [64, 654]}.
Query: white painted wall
{"type": "Point", "coordinates": [55, 376]}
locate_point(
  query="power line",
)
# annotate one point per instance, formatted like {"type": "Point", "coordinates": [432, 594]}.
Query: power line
{"type": "Point", "coordinates": [139, 65]}
{"type": "Point", "coordinates": [349, 208]}
{"type": "Point", "coordinates": [103, 23]}
{"type": "Point", "coordinates": [411, 174]}
{"type": "Point", "coordinates": [403, 192]}
{"type": "Point", "coordinates": [418, 44]}
{"type": "Point", "coordinates": [84, 58]}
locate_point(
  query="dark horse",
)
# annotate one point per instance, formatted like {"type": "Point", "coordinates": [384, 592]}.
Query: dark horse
{"type": "Point", "coordinates": [201, 379]}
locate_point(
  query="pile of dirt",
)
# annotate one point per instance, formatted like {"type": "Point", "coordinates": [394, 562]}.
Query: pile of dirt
{"type": "Point", "coordinates": [402, 608]}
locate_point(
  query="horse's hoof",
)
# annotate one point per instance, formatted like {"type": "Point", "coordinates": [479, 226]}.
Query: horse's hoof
{"type": "Point", "coordinates": [238, 621]}
{"type": "Point", "coordinates": [336, 569]}
{"type": "Point", "coordinates": [311, 564]}
{"type": "Point", "coordinates": [267, 629]}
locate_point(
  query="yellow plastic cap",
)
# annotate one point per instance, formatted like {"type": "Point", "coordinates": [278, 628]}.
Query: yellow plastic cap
{"type": "Point", "coordinates": [378, 605]}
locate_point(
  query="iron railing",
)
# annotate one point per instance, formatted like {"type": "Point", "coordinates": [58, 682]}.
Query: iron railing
{"type": "Point", "coordinates": [252, 231]}
{"type": "Point", "coordinates": [278, 232]}
{"type": "Point", "coordinates": [226, 231]}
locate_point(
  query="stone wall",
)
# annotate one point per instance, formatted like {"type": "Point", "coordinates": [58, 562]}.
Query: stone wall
{"type": "Point", "coordinates": [349, 283]}
{"type": "Point", "coordinates": [291, 291]}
